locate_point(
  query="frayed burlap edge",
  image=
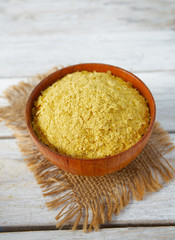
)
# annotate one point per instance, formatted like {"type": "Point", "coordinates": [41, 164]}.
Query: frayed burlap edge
{"type": "Point", "coordinates": [90, 201]}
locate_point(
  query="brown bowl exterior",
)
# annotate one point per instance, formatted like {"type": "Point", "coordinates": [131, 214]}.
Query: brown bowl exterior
{"type": "Point", "coordinates": [100, 166]}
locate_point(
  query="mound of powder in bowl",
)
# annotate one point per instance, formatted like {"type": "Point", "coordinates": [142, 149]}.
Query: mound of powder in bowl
{"type": "Point", "coordinates": [90, 115]}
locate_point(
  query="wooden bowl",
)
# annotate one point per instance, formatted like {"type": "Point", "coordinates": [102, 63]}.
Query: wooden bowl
{"type": "Point", "coordinates": [100, 166]}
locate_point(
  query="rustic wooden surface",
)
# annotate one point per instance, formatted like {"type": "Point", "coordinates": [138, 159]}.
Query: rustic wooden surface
{"type": "Point", "coordinates": [37, 35]}
{"type": "Point", "coordinates": [143, 233]}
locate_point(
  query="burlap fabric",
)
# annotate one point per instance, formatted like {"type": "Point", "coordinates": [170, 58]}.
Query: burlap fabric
{"type": "Point", "coordinates": [90, 201]}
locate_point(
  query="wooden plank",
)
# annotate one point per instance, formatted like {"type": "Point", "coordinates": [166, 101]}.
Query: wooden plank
{"type": "Point", "coordinates": [6, 82]}
{"type": "Point", "coordinates": [22, 203]}
{"type": "Point", "coordinates": [165, 115]}
{"type": "Point", "coordinates": [5, 131]}
{"type": "Point", "coordinates": [40, 17]}
{"type": "Point", "coordinates": [161, 85]}
{"type": "Point", "coordinates": [134, 51]}
{"type": "Point", "coordinates": [131, 233]}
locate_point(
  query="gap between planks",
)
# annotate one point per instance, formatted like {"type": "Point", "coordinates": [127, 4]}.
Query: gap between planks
{"type": "Point", "coordinates": [6, 137]}
{"type": "Point", "coordinates": [68, 227]}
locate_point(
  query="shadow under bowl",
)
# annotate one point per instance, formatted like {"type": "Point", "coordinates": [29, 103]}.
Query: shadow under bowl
{"type": "Point", "coordinates": [99, 166]}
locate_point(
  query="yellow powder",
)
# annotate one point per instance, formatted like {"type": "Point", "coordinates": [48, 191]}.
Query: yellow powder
{"type": "Point", "coordinates": [90, 115]}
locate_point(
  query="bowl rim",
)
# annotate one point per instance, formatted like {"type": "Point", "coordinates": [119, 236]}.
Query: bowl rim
{"type": "Point", "coordinates": [33, 134]}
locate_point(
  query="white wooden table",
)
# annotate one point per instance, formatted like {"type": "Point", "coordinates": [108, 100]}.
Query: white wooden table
{"type": "Point", "coordinates": [37, 35]}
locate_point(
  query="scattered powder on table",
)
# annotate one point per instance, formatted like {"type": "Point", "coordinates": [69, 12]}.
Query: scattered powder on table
{"type": "Point", "coordinates": [90, 115]}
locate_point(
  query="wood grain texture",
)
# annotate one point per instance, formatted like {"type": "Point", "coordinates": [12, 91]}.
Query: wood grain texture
{"type": "Point", "coordinates": [138, 233]}
{"type": "Point", "coordinates": [134, 51]}
{"type": "Point", "coordinates": [165, 115]}
{"type": "Point", "coordinates": [22, 203]}
{"type": "Point", "coordinates": [161, 85]}
{"type": "Point", "coordinates": [46, 17]}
